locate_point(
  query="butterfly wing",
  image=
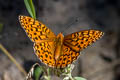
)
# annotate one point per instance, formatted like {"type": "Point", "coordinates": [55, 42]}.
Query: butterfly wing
{"type": "Point", "coordinates": [42, 37]}
{"type": "Point", "coordinates": [79, 40]}
{"type": "Point", "coordinates": [67, 57]}
{"type": "Point", "coordinates": [35, 30]}
{"type": "Point", "coordinates": [45, 51]}
{"type": "Point", "coordinates": [74, 43]}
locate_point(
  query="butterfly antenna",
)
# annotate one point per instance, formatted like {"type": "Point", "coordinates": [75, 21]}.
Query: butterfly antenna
{"type": "Point", "coordinates": [72, 23]}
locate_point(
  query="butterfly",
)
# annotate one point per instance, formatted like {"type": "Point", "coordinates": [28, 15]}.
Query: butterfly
{"type": "Point", "coordinates": [57, 51]}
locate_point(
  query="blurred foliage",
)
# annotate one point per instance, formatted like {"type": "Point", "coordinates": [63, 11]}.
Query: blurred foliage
{"type": "Point", "coordinates": [30, 7]}
{"type": "Point", "coordinates": [38, 72]}
{"type": "Point", "coordinates": [79, 78]}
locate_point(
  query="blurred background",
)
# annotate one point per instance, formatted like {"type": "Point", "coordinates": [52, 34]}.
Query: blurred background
{"type": "Point", "coordinates": [101, 61]}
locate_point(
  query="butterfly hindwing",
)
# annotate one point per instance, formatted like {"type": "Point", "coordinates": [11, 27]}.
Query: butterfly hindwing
{"type": "Point", "coordinates": [67, 57]}
{"type": "Point", "coordinates": [45, 52]}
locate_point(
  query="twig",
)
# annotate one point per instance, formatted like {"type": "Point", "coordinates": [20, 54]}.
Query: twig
{"type": "Point", "coordinates": [13, 59]}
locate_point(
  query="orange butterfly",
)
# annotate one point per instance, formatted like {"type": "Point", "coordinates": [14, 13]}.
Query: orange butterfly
{"type": "Point", "coordinates": [57, 51]}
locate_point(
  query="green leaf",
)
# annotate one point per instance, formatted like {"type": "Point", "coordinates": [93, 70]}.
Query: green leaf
{"type": "Point", "coordinates": [79, 78]}
{"type": "Point", "coordinates": [35, 73]}
{"type": "Point", "coordinates": [38, 72]}
{"type": "Point", "coordinates": [30, 7]}
{"type": "Point", "coordinates": [1, 27]}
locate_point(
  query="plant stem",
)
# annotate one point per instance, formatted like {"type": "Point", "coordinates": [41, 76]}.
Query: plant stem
{"type": "Point", "coordinates": [13, 59]}
{"type": "Point", "coordinates": [47, 77]}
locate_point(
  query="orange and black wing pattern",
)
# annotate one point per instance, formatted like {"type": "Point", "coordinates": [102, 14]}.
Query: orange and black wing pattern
{"type": "Point", "coordinates": [45, 52]}
{"type": "Point", "coordinates": [79, 40]}
{"type": "Point", "coordinates": [42, 37]}
{"type": "Point", "coordinates": [74, 43]}
{"type": "Point", "coordinates": [35, 30]}
{"type": "Point", "coordinates": [45, 42]}
{"type": "Point", "coordinates": [67, 57]}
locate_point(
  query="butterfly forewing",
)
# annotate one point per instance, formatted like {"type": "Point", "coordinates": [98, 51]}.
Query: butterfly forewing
{"type": "Point", "coordinates": [80, 40]}
{"type": "Point", "coordinates": [35, 30]}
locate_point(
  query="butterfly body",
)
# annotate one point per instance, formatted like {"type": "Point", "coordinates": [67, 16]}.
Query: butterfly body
{"type": "Point", "coordinates": [58, 48]}
{"type": "Point", "coordinates": [57, 51]}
